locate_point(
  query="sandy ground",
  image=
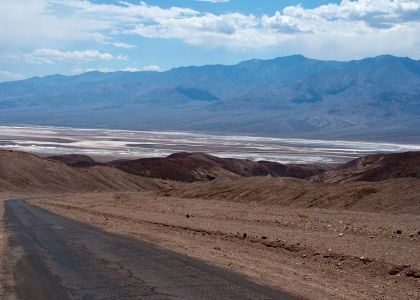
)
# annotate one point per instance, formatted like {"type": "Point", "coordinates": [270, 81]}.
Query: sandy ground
{"type": "Point", "coordinates": [314, 253]}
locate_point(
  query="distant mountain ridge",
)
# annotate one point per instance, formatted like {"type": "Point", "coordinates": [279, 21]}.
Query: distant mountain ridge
{"type": "Point", "coordinates": [374, 98]}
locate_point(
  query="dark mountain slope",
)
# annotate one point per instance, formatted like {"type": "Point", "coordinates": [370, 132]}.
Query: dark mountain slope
{"type": "Point", "coordinates": [376, 167]}
{"type": "Point", "coordinates": [190, 167]}
{"type": "Point", "coordinates": [75, 160]}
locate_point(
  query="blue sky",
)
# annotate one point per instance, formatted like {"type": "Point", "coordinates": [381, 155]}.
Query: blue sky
{"type": "Point", "coordinates": [42, 37]}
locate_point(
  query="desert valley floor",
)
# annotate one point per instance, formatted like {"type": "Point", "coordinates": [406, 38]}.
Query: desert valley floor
{"type": "Point", "coordinates": [349, 232]}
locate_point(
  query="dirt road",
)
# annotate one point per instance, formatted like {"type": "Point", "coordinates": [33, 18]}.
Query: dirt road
{"type": "Point", "coordinates": [52, 257]}
{"type": "Point", "coordinates": [315, 253]}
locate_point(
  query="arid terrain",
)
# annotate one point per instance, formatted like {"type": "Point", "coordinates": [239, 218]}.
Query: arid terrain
{"type": "Point", "coordinates": [209, 150]}
{"type": "Point", "coordinates": [355, 237]}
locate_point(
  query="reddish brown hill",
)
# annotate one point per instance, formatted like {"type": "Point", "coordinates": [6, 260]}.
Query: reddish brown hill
{"type": "Point", "coordinates": [24, 172]}
{"type": "Point", "coordinates": [191, 167]}
{"type": "Point", "coordinates": [376, 167]}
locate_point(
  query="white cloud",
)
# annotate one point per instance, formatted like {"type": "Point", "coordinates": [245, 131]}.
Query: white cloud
{"type": "Point", "coordinates": [108, 70]}
{"type": "Point", "coordinates": [350, 29]}
{"type": "Point", "coordinates": [10, 76]}
{"type": "Point", "coordinates": [50, 56]}
{"type": "Point", "coordinates": [130, 69]}
{"type": "Point", "coordinates": [36, 23]}
{"type": "Point", "coordinates": [363, 16]}
{"type": "Point", "coordinates": [123, 45]}
{"type": "Point", "coordinates": [151, 68]}
{"type": "Point", "coordinates": [124, 12]}
{"type": "Point", "coordinates": [328, 31]}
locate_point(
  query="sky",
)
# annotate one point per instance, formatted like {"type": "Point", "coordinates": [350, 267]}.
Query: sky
{"type": "Point", "coordinates": [43, 37]}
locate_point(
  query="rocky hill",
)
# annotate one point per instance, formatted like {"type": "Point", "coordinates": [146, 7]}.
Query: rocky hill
{"type": "Point", "coordinates": [190, 167]}
{"type": "Point", "coordinates": [377, 167]}
{"type": "Point", "coordinates": [26, 173]}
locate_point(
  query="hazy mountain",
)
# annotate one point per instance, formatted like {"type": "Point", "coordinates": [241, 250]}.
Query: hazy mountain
{"type": "Point", "coordinates": [376, 98]}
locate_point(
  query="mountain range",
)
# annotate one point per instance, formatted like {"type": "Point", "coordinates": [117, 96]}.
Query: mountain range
{"type": "Point", "coordinates": [370, 99]}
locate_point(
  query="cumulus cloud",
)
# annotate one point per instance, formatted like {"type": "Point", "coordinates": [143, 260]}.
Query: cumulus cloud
{"type": "Point", "coordinates": [130, 69]}
{"type": "Point", "coordinates": [50, 56]}
{"type": "Point", "coordinates": [349, 18]}
{"type": "Point", "coordinates": [122, 13]}
{"type": "Point", "coordinates": [151, 68]}
{"type": "Point", "coordinates": [107, 69]}
{"type": "Point", "coordinates": [123, 45]}
{"type": "Point", "coordinates": [36, 23]}
{"type": "Point", "coordinates": [350, 29]}
{"type": "Point", "coordinates": [226, 29]}
{"type": "Point", "coordinates": [135, 69]}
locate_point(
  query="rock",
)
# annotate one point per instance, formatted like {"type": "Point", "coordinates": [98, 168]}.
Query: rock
{"type": "Point", "coordinates": [244, 235]}
{"type": "Point", "coordinates": [187, 215]}
{"type": "Point", "coordinates": [340, 234]}
{"type": "Point", "coordinates": [412, 273]}
{"type": "Point", "coordinates": [217, 248]}
{"type": "Point", "coordinates": [263, 237]}
{"type": "Point", "coordinates": [398, 231]}
{"type": "Point", "coordinates": [394, 270]}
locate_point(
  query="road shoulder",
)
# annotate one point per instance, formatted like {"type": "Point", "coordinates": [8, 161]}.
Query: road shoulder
{"type": "Point", "coordinates": [300, 251]}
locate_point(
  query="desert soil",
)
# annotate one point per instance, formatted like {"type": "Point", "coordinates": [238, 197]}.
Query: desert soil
{"type": "Point", "coordinates": [313, 253]}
